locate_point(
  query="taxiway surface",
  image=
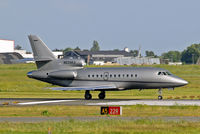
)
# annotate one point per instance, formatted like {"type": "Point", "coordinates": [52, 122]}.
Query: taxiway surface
{"type": "Point", "coordinates": [42, 119]}
{"type": "Point", "coordinates": [95, 102]}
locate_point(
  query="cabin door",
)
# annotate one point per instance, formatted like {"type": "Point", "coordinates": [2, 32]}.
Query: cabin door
{"type": "Point", "coordinates": [106, 76]}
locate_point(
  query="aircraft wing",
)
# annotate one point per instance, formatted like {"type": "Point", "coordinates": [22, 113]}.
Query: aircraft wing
{"type": "Point", "coordinates": [84, 88]}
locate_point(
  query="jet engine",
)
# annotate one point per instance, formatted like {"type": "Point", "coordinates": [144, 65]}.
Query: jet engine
{"type": "Point", "coordinates": [63, 74]}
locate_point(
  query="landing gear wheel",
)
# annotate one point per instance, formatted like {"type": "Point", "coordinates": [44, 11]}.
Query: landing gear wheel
{"type": "Point", "coordinates": [160, 94]}
{"type": "Point", "coordinates": [160, 97]}
{"type": "Point", "coordinates": [88, 96]}
{"type": "Point", "coordinates": [102, 95]}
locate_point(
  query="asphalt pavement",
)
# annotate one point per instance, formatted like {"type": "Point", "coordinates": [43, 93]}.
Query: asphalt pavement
{"type": "Point", "coordinates": [94, 102]}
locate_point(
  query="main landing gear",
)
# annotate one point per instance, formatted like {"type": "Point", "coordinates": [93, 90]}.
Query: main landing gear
{"type": "Point", "coordinates": [88, 96]}
{"type": "Point", "coordinates": [160, 94]}
{"type": "Point", "coordinates": [102, 95]}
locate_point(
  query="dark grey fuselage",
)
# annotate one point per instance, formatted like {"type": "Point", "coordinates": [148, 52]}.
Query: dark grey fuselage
{"type": "Point", "coordinates": [121, 77]}
{"type": "Point", "coordinates": [71, 74]}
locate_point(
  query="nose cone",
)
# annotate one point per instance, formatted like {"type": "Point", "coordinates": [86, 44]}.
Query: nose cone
{"type": "Point", "coordinates": [181, 82]}
{"type": "Point", "coordinates": [30, 74]}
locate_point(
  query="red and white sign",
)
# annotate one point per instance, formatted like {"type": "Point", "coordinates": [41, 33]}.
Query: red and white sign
{"type": "Point", "coordinates": [111, 110]}
{"type": "Point", "coordinates": [115, 110]}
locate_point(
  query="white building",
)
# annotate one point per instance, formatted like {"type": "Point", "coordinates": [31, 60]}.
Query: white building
{"type": "Point", "coordinates": [24, 54]}
{"type": "Point", "coordinates": [175, 63]}
{"type": "Point", "coordinates": [137, 61]}
{"type": "Point", "coordinates": [6, 46]}
{"type": "Point", "coordinates": [30, 55]}
{"type": "Point", "coordinates": [57, 53]}
{"type": "Point", "coordinates": [98, 63]}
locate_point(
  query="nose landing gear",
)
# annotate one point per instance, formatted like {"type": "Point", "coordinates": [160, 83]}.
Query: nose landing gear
{"type": "Point", "coordinates": [160, 97]}
{"type": "Point", "coordinates": [160, 94]}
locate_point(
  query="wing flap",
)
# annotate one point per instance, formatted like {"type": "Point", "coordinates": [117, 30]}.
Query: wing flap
{"type": "Point", "coordinates": [84, 88]}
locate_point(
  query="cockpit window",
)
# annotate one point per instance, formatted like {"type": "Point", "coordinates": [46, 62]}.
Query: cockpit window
{"type": "Point", "coordinates": [164, 73]}
{"type": "Point", "coordinates": [168, 73]}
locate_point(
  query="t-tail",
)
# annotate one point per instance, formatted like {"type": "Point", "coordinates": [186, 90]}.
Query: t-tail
{"type": "Point", "coordinates": [42, 54]}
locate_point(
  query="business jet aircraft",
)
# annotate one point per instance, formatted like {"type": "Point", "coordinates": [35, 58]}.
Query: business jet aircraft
{"type": "Point", "coordinates": [71, 75]}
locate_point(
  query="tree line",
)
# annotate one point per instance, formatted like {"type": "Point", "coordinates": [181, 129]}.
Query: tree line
{"type": "Point", "coordinates": [95, 47]}
{"type": "Point", "coordinates": [189, 56]}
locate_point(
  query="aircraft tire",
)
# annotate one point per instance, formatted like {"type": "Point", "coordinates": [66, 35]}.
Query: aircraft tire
{"type": "Point", "coordinates": [88, 96]}
{"type": "Point", "coordinates": [102, 96]}
{"type": "Point", "coordinates": [160, 97]}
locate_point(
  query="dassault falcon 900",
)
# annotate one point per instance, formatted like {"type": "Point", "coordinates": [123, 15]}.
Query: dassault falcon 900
{"type": "Point", "coordinates": [71, 75]}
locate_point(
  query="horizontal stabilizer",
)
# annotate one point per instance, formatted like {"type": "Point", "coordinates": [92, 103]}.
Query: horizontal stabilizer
{"type": "Point", "coordinates": [84, 88]}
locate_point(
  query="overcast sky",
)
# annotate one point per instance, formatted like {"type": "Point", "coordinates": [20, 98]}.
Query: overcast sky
{"type": "Point", "coordinates": [157, 25]}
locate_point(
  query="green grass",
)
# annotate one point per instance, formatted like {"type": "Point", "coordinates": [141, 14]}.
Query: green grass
{"type": "Point", "coordinates": [15, 84]}
{"type": "Point", "coordinates": [102, 127]}
{"type": "Point", "coordinates": [91, 111]}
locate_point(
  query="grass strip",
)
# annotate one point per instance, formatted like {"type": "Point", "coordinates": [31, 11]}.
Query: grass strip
{"type": "Point", "coordinates": [77, 111]}
{"type": "Point", "coordinates": [143, 126]}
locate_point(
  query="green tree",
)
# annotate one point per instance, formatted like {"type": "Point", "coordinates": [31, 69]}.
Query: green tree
{"type": "Point", "coordinates": [149, 53]}
{"type": "Point", "coordinates": [77, 49]}
{"type": "Point", "coordinates": [18, 47]}
{"type": "Point", "coordinates": [56, 49]}
{"type": "Point", "coordinates": [95, 46]}
{"type": "Point", "coordinates": [116, 50]}
{"type": "Point", "coordinates": [67, 50]}
{"type": "Point", "coordinates": [173, 56]}
{"type": "Point", "coordinates": [134, 53]}
{"type": "Point", "coordinates": [191, 54]}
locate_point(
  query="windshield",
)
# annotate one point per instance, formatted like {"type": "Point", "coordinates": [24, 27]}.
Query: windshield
{"type": "Point", "coordinates": [164, 73]}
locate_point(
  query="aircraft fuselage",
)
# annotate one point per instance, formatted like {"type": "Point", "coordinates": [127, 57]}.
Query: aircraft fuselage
{"type": "Point", "coordinates": [71, 74]}
{"type": "Point", "coordinates": [123, 78]}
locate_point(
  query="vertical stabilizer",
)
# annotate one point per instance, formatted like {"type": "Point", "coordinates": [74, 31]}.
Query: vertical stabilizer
{"type": "Point", "coordinates": [40, 51]}
{"type": "Point", "coordinates": [42, 54]}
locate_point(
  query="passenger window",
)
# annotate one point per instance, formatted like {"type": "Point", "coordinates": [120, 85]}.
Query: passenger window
{"type": "Point", "coordinates": [97, 75]}
{"type": "Point", "coordinates": [101, 75]}
{"type": "Point", "coordinates": [159, 73]}
{"type": "Point", "coordinates": [123, 75]}
{"type": "Point", "coordinates": [88, 75]}
{"type": "Point", "coordinates": [119, 75]}
{"type": "Point", "coordinates": [131, 75]}
{"type": "Point", "coordinates": [92, 75]}
{"type": "Point", "coordinates": [110, 75]}
{"type": "Point", "coordinates": [127, 75]}
{"type": "Point", "coordinates": [114, 75]}
{"type": "Point", "coordinates": [135, 75]}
